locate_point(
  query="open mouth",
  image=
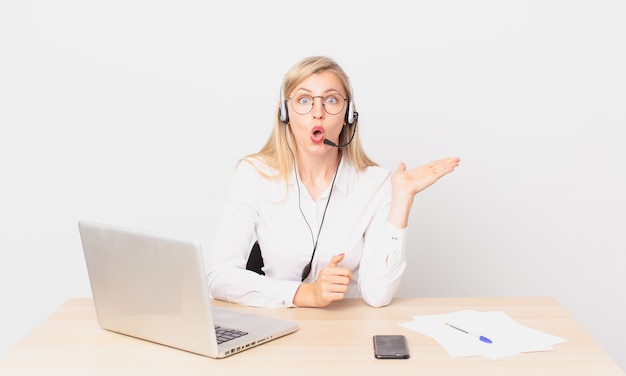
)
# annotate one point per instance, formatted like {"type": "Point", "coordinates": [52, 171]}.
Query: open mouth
{"type": "Point", "coordinates": [317, 136]}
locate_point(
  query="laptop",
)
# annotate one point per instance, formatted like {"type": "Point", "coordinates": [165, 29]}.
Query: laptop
{"type": "Point", "coordinates": [153, 287]}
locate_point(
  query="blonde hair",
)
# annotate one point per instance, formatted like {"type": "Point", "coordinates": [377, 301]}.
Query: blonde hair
{"type": "Point", "coordinates": [276, 153]}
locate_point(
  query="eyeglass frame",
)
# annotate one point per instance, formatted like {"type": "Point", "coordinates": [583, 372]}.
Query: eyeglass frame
{"type": "Point", "coordinates": [345, 100]}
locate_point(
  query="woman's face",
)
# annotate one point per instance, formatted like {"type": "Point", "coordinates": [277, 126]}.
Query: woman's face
{"type": "Point", "coordinates": [324, 119]}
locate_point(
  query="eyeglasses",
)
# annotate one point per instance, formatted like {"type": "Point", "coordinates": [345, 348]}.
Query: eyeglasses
{"type": "Point", "coordinates": [332, 103]}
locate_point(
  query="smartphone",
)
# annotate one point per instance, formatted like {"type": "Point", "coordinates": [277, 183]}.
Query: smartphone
{"type": "Point", "coordinates": [391, 346]}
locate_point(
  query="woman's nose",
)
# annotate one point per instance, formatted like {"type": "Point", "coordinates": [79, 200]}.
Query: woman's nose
{"type": "Point", "coordinates": [318, 108]}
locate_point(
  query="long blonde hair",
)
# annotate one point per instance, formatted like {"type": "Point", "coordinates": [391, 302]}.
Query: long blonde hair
{"type": "Point", "coordinates": [276, 153]}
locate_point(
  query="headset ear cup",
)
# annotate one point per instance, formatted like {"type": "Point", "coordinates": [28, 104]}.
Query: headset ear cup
{"type": "Point", "coordinates": [350, 114]}
{"type": "Point", "coordinates": [282, 111]}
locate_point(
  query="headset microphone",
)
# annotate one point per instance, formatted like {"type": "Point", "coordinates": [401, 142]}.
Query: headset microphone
{"type": "Point", "coordinates": [329, 142]}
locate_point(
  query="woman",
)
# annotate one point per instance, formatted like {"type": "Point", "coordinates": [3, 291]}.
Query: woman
{"type": "Point", "coordinates": [329, 221]}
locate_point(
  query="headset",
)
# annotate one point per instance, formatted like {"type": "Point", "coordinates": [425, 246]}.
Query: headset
{"type": "Point", "coordinates": [283, 114]}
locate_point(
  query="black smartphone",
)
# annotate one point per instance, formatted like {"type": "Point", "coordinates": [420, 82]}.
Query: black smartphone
{"type": "Point", "coordinates": [391, 346]}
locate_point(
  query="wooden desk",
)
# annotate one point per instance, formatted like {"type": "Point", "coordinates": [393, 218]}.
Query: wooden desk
{"type": "Point", "coordinates": [336, 340]}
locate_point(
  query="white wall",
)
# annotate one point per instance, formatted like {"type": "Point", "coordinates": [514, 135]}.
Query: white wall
{"type": "Point", "coordinates": [134, 113]}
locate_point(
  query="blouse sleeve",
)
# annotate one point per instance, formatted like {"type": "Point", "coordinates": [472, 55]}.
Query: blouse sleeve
{"type": "Point", "coordinates": [383, 261]}
{"type": "Point", "coordinates": [227, 276]}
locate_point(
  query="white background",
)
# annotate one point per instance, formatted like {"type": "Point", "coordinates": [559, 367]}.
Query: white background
{"type": "Point", "coordinates": [135, 112]}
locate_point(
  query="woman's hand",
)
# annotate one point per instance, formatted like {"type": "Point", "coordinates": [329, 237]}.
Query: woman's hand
{"type": "Point", "coordinates": [331, 284]}
{"type": "Point", "coordinates": [416, 180]}
{"type": "Point", "coordinates": [406, 184]}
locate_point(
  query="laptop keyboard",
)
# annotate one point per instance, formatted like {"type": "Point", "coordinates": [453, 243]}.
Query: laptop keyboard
{"type": "Point", "coordinates": [226, 334]}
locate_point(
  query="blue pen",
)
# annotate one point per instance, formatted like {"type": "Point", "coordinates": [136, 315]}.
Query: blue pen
{"type": "Point", "coordinates": [482, 338]}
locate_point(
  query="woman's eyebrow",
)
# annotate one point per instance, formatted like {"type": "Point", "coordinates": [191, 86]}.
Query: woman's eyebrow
{"type": "Point", "coordinates": [327, 91]}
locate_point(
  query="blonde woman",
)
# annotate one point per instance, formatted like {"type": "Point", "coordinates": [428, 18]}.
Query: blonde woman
{"type": "Point", "coordinates": [323, 221]}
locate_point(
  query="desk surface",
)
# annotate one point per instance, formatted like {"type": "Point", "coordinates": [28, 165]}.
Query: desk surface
{"type": "Point", "coordinates": [334, 340]}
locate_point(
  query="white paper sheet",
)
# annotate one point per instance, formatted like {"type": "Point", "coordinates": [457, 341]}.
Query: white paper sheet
{"type": "Point", "coordinates": [507, 335]}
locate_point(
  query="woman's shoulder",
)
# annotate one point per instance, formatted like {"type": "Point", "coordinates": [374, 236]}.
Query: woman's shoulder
{"type": "Point", "coordinates": [370, 182]}
{"type": "Point", "coordinates": [256, 170]}
{"type": "Point", "coordinates": [371, 175]}
{"type": "Point", "coordinates": [376, 172]}
{"type": "Point", "coordinates": [249, 165]}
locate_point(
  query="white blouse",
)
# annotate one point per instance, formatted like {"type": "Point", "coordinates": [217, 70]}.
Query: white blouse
{"type": "Point", "coordinates": [273, 213]}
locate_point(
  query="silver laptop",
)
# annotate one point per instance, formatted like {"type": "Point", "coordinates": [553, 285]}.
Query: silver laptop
{"type": "Point", "coordinates": [153, 286]}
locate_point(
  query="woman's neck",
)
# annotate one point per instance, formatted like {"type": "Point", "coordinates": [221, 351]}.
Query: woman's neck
{"type": "Point", "coordinates": [317, 173]}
